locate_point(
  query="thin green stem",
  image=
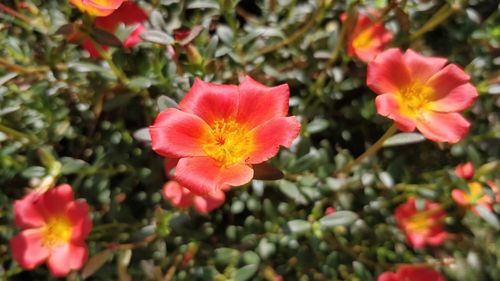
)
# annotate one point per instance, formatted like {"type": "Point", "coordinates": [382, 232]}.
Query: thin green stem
{"type": "Point", "coordinates": [439, 17]}
{"type": "Point", "coordinates": [115, 69]}
{"type": "Point", "coordinates": [16, 134]}
{"type": "Point", "coordinates": [292, 38]}
{"type": "Point", "coordinates": [371, 150]}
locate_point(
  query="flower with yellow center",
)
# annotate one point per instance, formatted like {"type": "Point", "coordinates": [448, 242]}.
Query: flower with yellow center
{"type": "Point", "coordinates": [421, 93]}
{"type": "Point", "coordinates": [422, 227]}
{"type": "Point", "coordinates": [473, 197]}
{"type": "Point", "coordinates": [54, 230]}
{"type": "Point", "coordinates": [368, 37]}
{"type": "Point", "coordinates": [219, 131]}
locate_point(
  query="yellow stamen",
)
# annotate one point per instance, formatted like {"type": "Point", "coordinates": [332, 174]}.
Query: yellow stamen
{"type": "Point", "coordinates": [414, 99]}
{"type": "Point", "coordinates": [229, 142]}
{"type": "Point", "coordinates": [422, 221]}
{"type": "Point", "coordinates": [363, 40]}
{"type": "Point", "coordinates": [56, 232]}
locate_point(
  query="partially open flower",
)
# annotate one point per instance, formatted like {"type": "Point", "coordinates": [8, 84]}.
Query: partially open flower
{"type": "Point", "coordinates": [130, 14]}
{"type": "Point", "coordinates": [412, 273]}
{"type": "Point", "coordinates": [474, 197]}
{"type": "Point", "coordinates": [54, 230]}
{"type": "Point", "coordinates": [368, 37]}
{"type": "Point", "coordinates": [422, 227]}
{"type": "Point", "coordinates": [421, 92]}
{"type": "Point", "coordinates": [98, 8]}
{"type": "Point", "coordinates": [465, 171]}
{"type": "Point", "coordinates": [219, 131]}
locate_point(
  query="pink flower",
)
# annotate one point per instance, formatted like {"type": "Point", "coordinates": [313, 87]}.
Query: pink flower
{"type": "Point", "coordinates": [329, 210]}
{"type": "Point", "coordinates": [182, 197]}
{"type": "Point", "coordinates": [219, 131]}
{"type": "Point", "coordinates": [465, 171]}
{"type": "Point", "coordinates": [474, 197]}
{"type": "Point", "coordinates": [99, 8]}
{"type": "Point", "coordinates": [421, 92]}
{"type": "Point", "coordinates": [54, 230]}
{"type": "Point", "coordinates": [130, 14]}
{"type": "Point", "coordinates": [422, 227]}
{"type": "Point", "coordinates": [368, 38]}
{"type": "Point", "coordinates": [412, 273]}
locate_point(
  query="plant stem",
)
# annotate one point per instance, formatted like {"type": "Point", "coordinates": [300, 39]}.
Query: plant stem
{"type": "Point", "coordinates": [16, 134]}
{"type": "Point", "coordinates": [15, 14]}
{"type": "Point", "coordinates": [371, 150]}
{"type": "Point", "coordinates": [290, 39]}
{"type": "Point", "coordinates": [116, 71]}
{"type": "Point", "coordinates": [440, 16]}
{"type": "Point", "coordinates": [22, 69]}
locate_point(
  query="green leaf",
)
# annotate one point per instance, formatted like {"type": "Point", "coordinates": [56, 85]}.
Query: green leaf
{"type": "Point", "coordinates": [193, 32]}
{"type": "Point", "coordinates": [33, 172]}
{"type": "Point", "coordinates": [244, 273]}
{"type": "Point", "coordinates": [72, 165]}
{"type": "Point", "coordinates": [298, 226]}
{"type": "Point", "coordinates": [226, 256]}
{"type": "Point", "coordinates": [165, 102]}
{"type": "Point", "coordinates": [203, 4]}
{"type": "Point", "coordinates": [403, 139]}
{"type": "Point", "coordinates": [105, 38]}
{"type": "Point", "coordinates": [142, 135]}
{"type": "Point", "coordinates": [317, 125]}
{"type": "Point", "coordinates": [338, 218]}
{"type": "Point", "coordinates": [158, 37]}
{"type": "Point", "coordinates": [250, 257]}
{"type": "Point", "coordinates": [488, 216]}
{"type": "Point", "coordinates": [140, 83]}
{"type": "Point", "coordinates": [225, 34]}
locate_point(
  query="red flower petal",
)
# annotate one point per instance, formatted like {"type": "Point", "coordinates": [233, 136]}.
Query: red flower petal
{"type": "Point", "coordinates": [176, 134]}
{"type": "Point", "coordinates": [134, 38]}
{"type": "Point", "coordinates": [78, 215]}
{"type": "Point", "coordinates": [26, 212]}
{"type": "Point", "coordinates": [387, 105]}
{"type": "Point", "coordinates": [459, 196]}
{"type": "Point", "coordinates": [179, 196]}
{"type": "Point", "coordinates": [443, 127]}
{"type": "Point", "coordinates": [270, 135]}
{"type": "Point", "coordinates": [207, 203]}
{"type": "Point", "coordinates": [55, 200]}
{"type": "Point", "coordinates": [458, 99]}
{"type": "Point", "coordinates": [202, 175]}
{"type": "Point", "coordinates": [448, 79]}
{"type": "Point", "coordinates": [465, 171]}
{"type": "Point", "coordinates": [388, 276]}
{"type": "Point", "coordinates": [211, 101]}
{"type": "Point", "coordinates": [67, 257]}
{"type": "Point", "coordinates": [387, 73]}
{"type": "Point", "coordinates": [129, 13]}
{"type": "Point", "coordinates": [27, 248]}
{"type": "Point", "coordinates": [416, 273]}
{"type": "Point", "coordinates": [259, 103]}
{"type": "Point", "coordinates": [422, 68]}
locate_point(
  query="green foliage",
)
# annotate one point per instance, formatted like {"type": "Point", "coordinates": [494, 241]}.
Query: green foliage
{"type": "Point", "coordinates": [79, 120]}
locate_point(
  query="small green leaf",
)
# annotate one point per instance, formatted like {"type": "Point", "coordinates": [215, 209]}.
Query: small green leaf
{"type": "Point", "coordinates": [338, 218]}
{"type": "Point", "coordinates": [488, 216]}
{"type": "Point", "coordinates": [298, 226]}
{"type": "Point", "coordinates": [244, 273]}
{"type": "Point", "coordinates": [158, 37]}
{"type": "Point", "coordinates": [72, 165]}
{"type": "Point", "coordinates": [142, 135]}
{"type": "Point", "coordinates": [225, 256]}
{"type": "Point", "coordinates": [165, 102]}
{"type": "Point", "coordinates": [317, 125]}
{"type": "Point", "coordinates": [403, 139]}
{"type": "Point", "coordinates": [33, 172]}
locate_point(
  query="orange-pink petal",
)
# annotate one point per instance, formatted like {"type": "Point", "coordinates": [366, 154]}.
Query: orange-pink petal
{"type": "Point", "coordinates": [207, 203]}
{"type": "Point", "coordinates": [27, 248]}
{"type": "Point", "coordinates": [259, 103]}
{"type": "Point", "coordinates": [422, 68]}
{"type": "Point", "coordinates": [457, 99]}
{"type": "Point", "coordinates": [78, 215]}
{"type": "Point", "coordinates": [179, 196]}
{"type": "Point", "coordinates": [387, 73]}
{"type": "Point", "coordinates": [459, 196]}
{"type": "Point", "coordinates": [27, 213]}
{"type": "Point", "coordinates": [211, 101]}
{"type": "Point", "coordinates": [202, 175]}
{"type": "Point", "coordinates": [387, 105]}
{"type": "Point", "coordinates": [55, 200]}
{"type": "Point", "coordinates": [269, 136]}
{"type": "Point", "coordinates": [176, 134]}
{"type": "Point", "coordinates": [443, 127]}
{"type": "Point", "coordinates": [67, 257]}
{"type": "Point", "coordinates": [448, 79]}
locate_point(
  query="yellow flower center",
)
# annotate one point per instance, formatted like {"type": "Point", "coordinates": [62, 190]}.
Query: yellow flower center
{"type": "Point", "coordinates": [419, 223]}
{"type": "Point", "coordinates": [414, 99]}
{"type": "Point", "coordinates": [56, 232]}
{"type": "Point", "coordinates": [363, 40]}
{"type": "Point", "coordinates": [228, 142]}
{"type": "Point", "coordinates": [475, 193]}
